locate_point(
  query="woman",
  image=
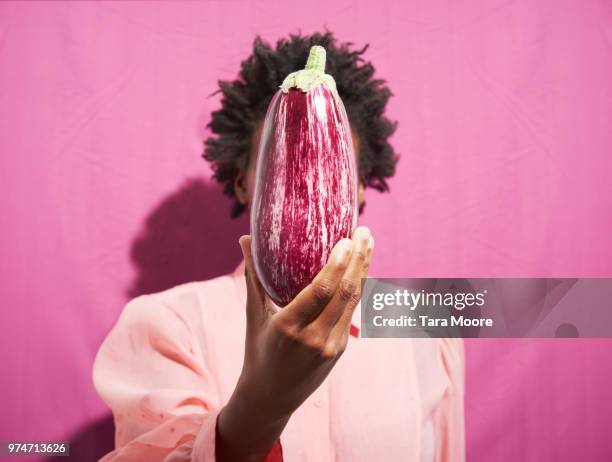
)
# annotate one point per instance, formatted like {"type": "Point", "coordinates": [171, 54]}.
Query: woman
{"type": "Point", "coordinates": [207, 371]}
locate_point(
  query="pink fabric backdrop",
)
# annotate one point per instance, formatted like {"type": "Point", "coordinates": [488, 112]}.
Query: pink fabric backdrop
{"type": "Point", "coordinates": [505, 136]}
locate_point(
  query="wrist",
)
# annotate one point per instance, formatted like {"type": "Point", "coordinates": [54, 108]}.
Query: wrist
{"type": "Point", "coordinates": [249, 400]}
{"type": "Point", "coordinates": [245, 431]}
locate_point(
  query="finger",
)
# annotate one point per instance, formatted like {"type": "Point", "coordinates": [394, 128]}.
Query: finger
{"type": "Point", "coordinates": [349, 289]}
{"type": "Point", "coordinates": [315, 296]}
{"type": "Point", "coordinates": [255, 293]}
{"type": "Point", "coordinates": [341, 329]}
{"type": "Point", "coordinates": [365, 269]}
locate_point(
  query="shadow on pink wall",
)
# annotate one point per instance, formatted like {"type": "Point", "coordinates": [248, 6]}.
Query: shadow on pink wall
{"type": "Point", "coordinates": [188, 237]}
{"type": "Point", "coordinates": [92, 442]}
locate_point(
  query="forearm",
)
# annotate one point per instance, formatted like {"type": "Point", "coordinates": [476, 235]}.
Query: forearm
{"type": "Point", "coordinates": [245, 432]}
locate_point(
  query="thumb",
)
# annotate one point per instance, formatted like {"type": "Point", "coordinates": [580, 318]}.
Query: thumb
{"type": "Point", "coordinates": [256, 296]}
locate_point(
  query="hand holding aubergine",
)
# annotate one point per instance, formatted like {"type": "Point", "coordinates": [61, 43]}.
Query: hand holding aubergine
{"type": "Point", "coordinates": [299, 257]}
{"type": "Point", "coordinates": [289, 352]}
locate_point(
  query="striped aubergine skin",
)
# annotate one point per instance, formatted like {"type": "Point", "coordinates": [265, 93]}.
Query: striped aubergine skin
{"type": "Point", "coordinates": [305, 197]}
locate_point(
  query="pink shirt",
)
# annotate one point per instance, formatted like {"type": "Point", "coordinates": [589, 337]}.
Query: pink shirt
{"type": "Point", "coordinates": [172, 360]}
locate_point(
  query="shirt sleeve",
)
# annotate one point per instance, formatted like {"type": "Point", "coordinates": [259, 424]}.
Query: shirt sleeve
{"type": "Point", "coordinates": [450, 419]}
{"type": "Point", "coordinates": [151, 371]}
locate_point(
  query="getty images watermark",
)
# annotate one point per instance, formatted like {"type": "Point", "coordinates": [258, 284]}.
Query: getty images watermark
{"type": "Point", "coordinates": [487, 307]}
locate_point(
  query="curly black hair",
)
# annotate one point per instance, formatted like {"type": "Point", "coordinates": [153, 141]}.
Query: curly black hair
{"type": "Point", "coordinates": [245, 99]}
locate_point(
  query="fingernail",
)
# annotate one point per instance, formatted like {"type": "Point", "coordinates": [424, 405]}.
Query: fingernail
{"type": "Point", "coordinates": [344, 248]}
{"type": "Point", "coordinates": [363, 233]}
{"type": "Point", "coordinates": [370, 243]}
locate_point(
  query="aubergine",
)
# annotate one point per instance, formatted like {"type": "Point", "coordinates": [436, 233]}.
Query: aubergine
{"type": "Point", "coordinates": [305, 197]}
